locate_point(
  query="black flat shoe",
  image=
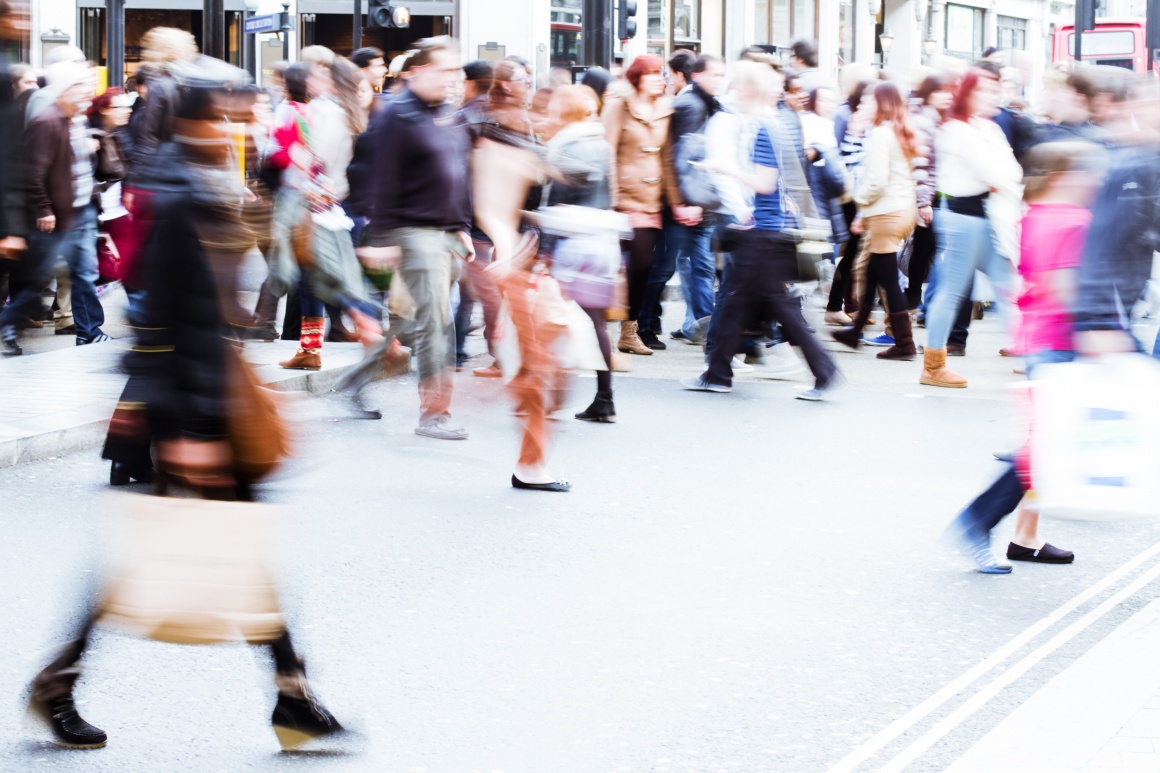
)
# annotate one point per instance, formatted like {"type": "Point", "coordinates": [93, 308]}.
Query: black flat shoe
{"type": "Point", "coordinates": [1048, 554]}
{"type": "Point", "coordinates": [556, 485]}
{"type": "Point", "coordinates": [68, 727]}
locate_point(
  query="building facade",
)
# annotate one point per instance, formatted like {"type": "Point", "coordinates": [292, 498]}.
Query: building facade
{"type": "Point", "coordinates": [898, 35]}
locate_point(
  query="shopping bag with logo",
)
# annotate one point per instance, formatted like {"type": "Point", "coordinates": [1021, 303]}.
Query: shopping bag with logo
{"type": "Point", "coordinates": [1095, 446]}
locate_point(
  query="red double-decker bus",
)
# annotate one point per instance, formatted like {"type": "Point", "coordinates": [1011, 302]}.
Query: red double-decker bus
{"type": "Point", "coordinates": [1114, 42]}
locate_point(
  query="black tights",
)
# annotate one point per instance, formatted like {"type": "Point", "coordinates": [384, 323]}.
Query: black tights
{"type": "Point", "coordinates": [640, 260]}
{"type": "Point", "coordinates": [882, 272]}
{"type": "Point", "coordinates": [603, 377]}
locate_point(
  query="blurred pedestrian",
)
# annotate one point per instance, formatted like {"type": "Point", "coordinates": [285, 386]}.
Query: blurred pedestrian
{"type": "Point", "coordinates": [976, 168]}
{"type": "Point", "coordinates": [764, 257]}
{"type": "Point", "coordinates": [888, 212]}
{"type": "Point", "coordinates": [177, 401]}
{"type": "Point", "coordinates": [421, 217]}
{"type": "Point", "coordinates": [579, 164]}
{"type": "Point", "coordinates": [637, 127]}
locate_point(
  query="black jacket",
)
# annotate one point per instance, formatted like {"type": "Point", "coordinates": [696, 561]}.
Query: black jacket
{"type": "Point", "coordinates": [1125, 231]}
{"type": "Point", "coordinates": [420, 171]}
{"type": "Point", "coordinates": [692, 110]}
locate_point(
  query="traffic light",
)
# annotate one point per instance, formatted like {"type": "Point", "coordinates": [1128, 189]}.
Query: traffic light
{"type": "Point", "coordinates": [381, 14]}
{"type": "Point", "coordinates": [625, 24]}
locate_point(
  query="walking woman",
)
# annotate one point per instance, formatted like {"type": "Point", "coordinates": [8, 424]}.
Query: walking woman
{"type": "Point", "coordinates": [579, 164]}
{"type": "Point", "coordinates": [318, 141]}
{"type": "Point", "coordinates": [977, 173]}
{"type": "Point", "coordinates": [851, 138]}
{"type": "Point", "coordinates": [637, 127]}
{"type": "Point", "coordinates": [887, 210]}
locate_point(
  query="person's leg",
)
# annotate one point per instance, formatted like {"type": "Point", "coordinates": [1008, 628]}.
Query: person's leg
{"type": "Point", "coordinates": [298, 715]}
{"type": "Point", "coordinates": [669, 249]}
{"type": "Point", "coordinates": [311, 329]}
{"type": "Point", "coordinates": [426, 272]}
{"type": "Point", "coordinates": [52, 693]}
{"type": "Point", "coordinates": [698, 279]}
{"type": "Point", "coordinates": [62, 314]}
{"type": "Point", "coordinates": [463, 316]}
{"type": "Point", "coordinates": [842, 273]}
{"type": "Point", "coordinates": [485, 289]}
{"type": "Point", "coordinates": [972, 527]}
{"type": "Point", "coordinates": [1004, 279]}
{"type": "Point", "coordinates": [922, 254]}
{"type": "Point", "coordinates": [640, 260]}
{"type": "Point", "coordinates": [602, 408]}
{"type": "Point", "coordinates": [80, 246]}
{"type": "Point", "coordinates": [886, 271]}
{"type": "Point", "coordinates": [733, 306]}
{"type": "Point", "coordinates": [957, 340]}
{"type": "Point", "coordinates": [964, 241]}
{"type": "Point", "coordinates": [33, 271]}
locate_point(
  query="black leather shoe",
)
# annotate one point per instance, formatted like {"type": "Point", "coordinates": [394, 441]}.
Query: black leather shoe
{"type": "Point", "coordinates": [298, 720]}
{"type": "Point", "coordinates": [556, 485]}
{"type": "Point", "coordinates": [69, 728]}
{"type": "Point", "coordinates": [1048, 554]}
{"type": "Point", "coordinates": [121, 474]}
{"type": "Point", "coordinates": [651, 340]}
{"type": "Point", "coordinates": [602, 410]}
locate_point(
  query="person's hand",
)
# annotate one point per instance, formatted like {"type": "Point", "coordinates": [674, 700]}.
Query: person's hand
{"type": "Point", "coordinates": [10, 246]}
{"type": "Point", "coordinates": [468, 245]}
{"type": "Point", "coordinates": [94, 145]}
{"type": "Point", "coordinates": [1093, 343]}
{"type": "Point", "coordinates": [686, 215]}
{"type": "Point", "coordinates": [127, 198]}
{"type": "Point", "coordinates": [811, 154]}
{"type": "Point", "coordinates": [856, 227]}
{"type": "Point", "coordinates": [925, 215]}
{"type": "Point", "coordinates": [200, 462]}
{"type": "Point", "coordinates": [379, 258]}
{"type": "Point", "coordinates": [46, 224]}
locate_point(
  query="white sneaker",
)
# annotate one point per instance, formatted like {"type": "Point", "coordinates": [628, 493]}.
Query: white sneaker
{"type": "Point", "coordinates": [741, 366]}
{"type": "Point", "coordinates": [441, 429]}
{"type": "Point", "coordinates": [780, 367]}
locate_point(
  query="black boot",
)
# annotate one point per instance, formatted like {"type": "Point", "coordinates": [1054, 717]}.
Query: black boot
{"type": "Point", "coordinates": [51, 699]}
{"type": "Point", "coordinates": [602, 410]}
{"type": "Point", "coordinates": [651, 340]}
{"type": "Point", "coordinates": [298, 720]}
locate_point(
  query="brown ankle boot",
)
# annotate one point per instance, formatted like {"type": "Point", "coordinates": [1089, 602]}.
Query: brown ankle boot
{"type": "Point", "coordinates": [305, 359]}
{"type": "Point", "coordinates": [903, 348]}
{"type": "Point", "coordinates": [630, 342]}
{"type": "Point", "coordinates": [935, 372]}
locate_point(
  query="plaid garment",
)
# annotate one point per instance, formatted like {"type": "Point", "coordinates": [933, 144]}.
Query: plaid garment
{"type": "Point", "coordinates": [82, 161]}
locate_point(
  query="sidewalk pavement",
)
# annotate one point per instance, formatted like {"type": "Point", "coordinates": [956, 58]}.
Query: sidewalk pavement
{"type": "Point", "coordinates": [61, 401]}
{"type": "Point", "coordinates": [1101, 714]}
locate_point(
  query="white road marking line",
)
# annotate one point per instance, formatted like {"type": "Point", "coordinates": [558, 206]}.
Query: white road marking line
{"type": "Point", "coordinates": [980, 699]}
{"type": "Point", "coordinates": [899, 726]}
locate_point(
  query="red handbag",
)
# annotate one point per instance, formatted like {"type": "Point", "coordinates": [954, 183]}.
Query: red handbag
{"type": "Point", "coordinates": [108, 259]}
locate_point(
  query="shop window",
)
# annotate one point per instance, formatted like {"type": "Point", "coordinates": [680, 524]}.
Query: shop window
{"type": "Point", "coordinates": [1012, 33]}
{"type": "Point", "coordinates": [964, 32]}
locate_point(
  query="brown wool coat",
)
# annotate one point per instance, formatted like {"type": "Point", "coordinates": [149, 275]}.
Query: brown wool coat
{"type": "Point", "coordinates": [643, 175]}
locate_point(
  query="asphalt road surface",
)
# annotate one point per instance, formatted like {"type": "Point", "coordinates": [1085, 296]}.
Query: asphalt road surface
{"type": "Point", "coordinates": [739, 582]}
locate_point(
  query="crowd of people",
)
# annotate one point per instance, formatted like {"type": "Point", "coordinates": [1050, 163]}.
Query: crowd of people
{"type": "Point", "coordinates": [391, 203]}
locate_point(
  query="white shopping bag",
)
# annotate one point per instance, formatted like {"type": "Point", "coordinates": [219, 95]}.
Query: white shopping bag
{"type": "Point", "coordinates": [579, 348]}
{"type": "Point", "coordinates": [1095, 448]}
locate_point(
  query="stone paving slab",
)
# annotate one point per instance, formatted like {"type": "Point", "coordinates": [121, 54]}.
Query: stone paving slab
{"type": "Point", "coordinates": [1101, 714]}
{"type": "Point", "coordinates": [61, 401]}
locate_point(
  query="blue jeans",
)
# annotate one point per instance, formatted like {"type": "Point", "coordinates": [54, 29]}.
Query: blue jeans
{"type": "Point", "coordinates": [697, 267]}
{"type": "Point", "coordinates": [78, 248]}
{"type": "Point", "coordinates": [966, 245]}
{"type": "Point", "coordinates": [993, 505]}
{"type": "Point", "coordinates": [1048, 357]}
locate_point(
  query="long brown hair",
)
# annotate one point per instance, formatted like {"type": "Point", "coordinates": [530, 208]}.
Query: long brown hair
{"type": "Point", "coordinates": [891, 108]}
{"type": "Point", "coordinates": [345, 76]}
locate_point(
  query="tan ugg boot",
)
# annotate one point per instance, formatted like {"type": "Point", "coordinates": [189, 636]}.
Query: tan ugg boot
{"type": "Point", "coordinates": [935, 372]}
{"type": "Point", "coordinates": [630, 342]}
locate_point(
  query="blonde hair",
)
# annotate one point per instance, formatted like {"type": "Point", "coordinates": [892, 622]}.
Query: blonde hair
{"type": "Point", "coordinates": [761, 79]}
{"type": "Point", "coordinates": [161, 46]}
{"type": "Point", "coordinates": [1050, 158]}
{"type": "Point", "coordinates": [573, 104]}
{"type": "Point", "coordinates": [317, 55]}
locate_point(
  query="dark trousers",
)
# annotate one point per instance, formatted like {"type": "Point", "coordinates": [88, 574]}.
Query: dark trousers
{"type": "Point", "coordinates": [921, 257]}
{"type": "Point", "coordinates": [755, 287]}
{"type": "Point", "coordinates": [882, 271]}
{"type": "Point", "coordinates": [28, 277]}
{"type": "Point", "coordinates": [641, 255]}
{"type": "Point", "coordinates": [844, 273]}
{"type": "Point", "coordinates": [993, 505]}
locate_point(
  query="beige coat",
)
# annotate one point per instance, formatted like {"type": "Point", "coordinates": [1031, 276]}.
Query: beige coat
{"type": "Point", "coordinates": [643, 176]}
{"type": "Point", "coordinates": [887, 182]}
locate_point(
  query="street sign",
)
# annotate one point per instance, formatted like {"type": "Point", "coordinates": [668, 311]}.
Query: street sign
{"type": "Point", "coordinates": [268, 23]}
